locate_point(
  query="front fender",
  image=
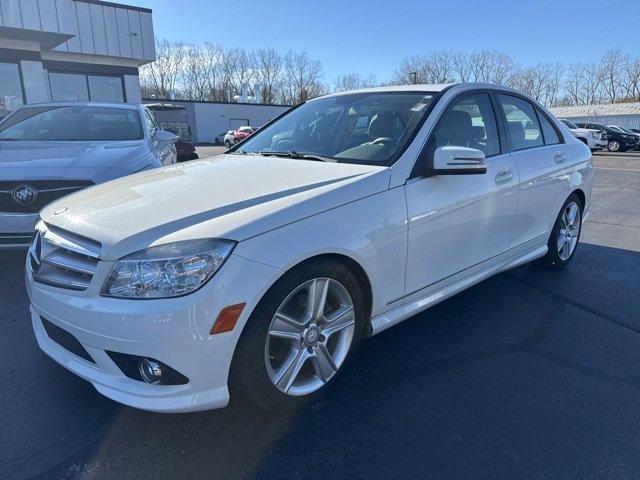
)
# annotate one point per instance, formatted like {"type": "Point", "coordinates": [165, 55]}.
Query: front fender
{"type": "Point", "coordinates": [371, 231]}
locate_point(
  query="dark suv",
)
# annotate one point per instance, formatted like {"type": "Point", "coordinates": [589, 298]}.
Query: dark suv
{"type": "Point", "coordinates": [617, 141]}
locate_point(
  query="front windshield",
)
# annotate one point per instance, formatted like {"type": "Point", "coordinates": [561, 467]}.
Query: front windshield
{"type": "Point", "coordinates": [366, 128]}
{"type": "Point", "coordinates": [569, 124]}
{"type": "Point", "coordinates": [56, 123]}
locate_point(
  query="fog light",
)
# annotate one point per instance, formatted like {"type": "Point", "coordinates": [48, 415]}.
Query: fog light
{"type": "Point", "coordinates": [150, 371]}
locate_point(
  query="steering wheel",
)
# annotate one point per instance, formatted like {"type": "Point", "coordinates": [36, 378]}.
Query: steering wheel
{"type": "Point", "coordinates": [382, 140]}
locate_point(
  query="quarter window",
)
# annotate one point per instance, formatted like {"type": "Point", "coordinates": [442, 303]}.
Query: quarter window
{"type": "Point", "coordinates": [151, 123]}
{"type": "Point", "coordinates": [523, 127]}
{"type": "Point", "coordinates": [470, 122]}
{"type": "Point", "coordinates": [548, 131]}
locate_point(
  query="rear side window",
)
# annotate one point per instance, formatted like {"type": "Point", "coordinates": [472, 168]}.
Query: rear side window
{"type": "Point", "coordinates": [523, 127]}
{"type": "Point", "coordinates": [470, 122]}
{"type": "Point", "coordinates": [551, 137]}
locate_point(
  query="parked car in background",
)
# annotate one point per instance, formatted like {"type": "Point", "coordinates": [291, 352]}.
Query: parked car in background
{"type": "Point", "coordinates": [594, 139]}
{"type": "Point", "coordinates": [229, 140]}
{"type": "Point", "coordinates": [174, 119]}
{"type": "Point", "coordinates": [238, 135]}
{"type": "Point", "coordinates": [219, 140]}
{"type": "Point", "coordinates": [628, 131]}
{"type": "Point", "coordinates": [49, 150]}
{"type": "Point", "coordinates": [617, 141]}
{"type": "Point", "coordinates": [260, 271]}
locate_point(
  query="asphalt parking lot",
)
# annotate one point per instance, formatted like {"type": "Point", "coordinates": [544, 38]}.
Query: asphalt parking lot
{"type": "Point", "coordinates": [531, 374]}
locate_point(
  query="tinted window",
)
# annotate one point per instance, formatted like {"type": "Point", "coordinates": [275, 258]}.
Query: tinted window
{"type": "Point", "coordinates": [68, 87]}
{"type": "Point", "coordinates": [548, 131]}
{"type": "Point", "coordinates": [10, 88]}
{"type": "Point", "coordinates": [105, 89]}
{"type": "Point", "coordinates": [522, 122]}
{"type": "Point", "coordinates": [327, 127]}
{"type": "Point", "coordinates": [72, 123]}
{"type": "Point", "coordinates": [470, 122]}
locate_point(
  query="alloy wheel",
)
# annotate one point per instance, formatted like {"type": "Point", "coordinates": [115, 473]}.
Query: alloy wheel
{"type": "Point", "coordinates": [614, 146]}
{"type": "Point", "coordinates": [569, 231]}
{"type": "Point", "coordinates": [309, 336]}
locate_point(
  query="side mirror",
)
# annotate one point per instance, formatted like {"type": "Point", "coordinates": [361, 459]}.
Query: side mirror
{"type": "Point", "coordinates": [166, 137]}
{"type": "Point", "coordinates": [451, 160]}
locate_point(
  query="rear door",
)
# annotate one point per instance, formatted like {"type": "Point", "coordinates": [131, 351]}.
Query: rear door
{"type": "Point", "coordinates": [542, 159]}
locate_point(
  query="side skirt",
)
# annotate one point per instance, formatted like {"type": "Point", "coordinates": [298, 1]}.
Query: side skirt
{"type": "Point", "coordinates": [388, 319]}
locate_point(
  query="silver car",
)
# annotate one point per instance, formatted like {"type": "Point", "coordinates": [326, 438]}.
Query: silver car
{"type": "Point", "coordinates": [49, 150]}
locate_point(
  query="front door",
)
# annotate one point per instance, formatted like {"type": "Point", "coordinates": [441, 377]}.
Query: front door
{"type": "Point", "coordinates": [457, 222]}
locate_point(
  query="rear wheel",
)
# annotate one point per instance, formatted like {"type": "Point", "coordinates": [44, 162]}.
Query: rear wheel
{"type": "Point", "coordinates": [300, 337]}
{"type": "Point", "coordinates": [614, 146]}
{"type": "Point", "coordinates": [227, 143]}
{"type": "Point", "coordinates": [565, 235]}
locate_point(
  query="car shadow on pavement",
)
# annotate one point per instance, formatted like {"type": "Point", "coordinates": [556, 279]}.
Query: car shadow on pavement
{"type": "Point", "coordinates": [530, 374]}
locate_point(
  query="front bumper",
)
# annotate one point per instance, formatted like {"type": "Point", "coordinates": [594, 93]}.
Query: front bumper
{"type": "Point", "coordinates": [173, 331]}
{"type": "Point", "coordinates": [16, 229]}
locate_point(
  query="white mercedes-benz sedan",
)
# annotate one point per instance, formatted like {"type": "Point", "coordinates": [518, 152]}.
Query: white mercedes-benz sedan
{"type": "Point", "coordinates": [49, 150]}
{"type": "Point", "coordinates": [259, 271]}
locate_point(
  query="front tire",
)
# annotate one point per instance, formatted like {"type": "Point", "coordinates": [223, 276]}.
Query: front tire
{"type": "Point", "coordinates": [614, 146]}
{"type": "Point", "coordinates": [565, 235]}
{"type": "Point", "coordinates": [301, 336]}
{"type": "Point", "coordinates": [227, 143]}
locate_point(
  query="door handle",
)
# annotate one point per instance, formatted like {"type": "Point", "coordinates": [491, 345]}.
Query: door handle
{"type": "Point", "coordinates": [559, 157]}
{"type": "Point", "coordinates": [503, 176]}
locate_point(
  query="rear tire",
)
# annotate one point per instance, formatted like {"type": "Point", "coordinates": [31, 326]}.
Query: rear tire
{"type": "Point", "coordinates": [283, 365]}
{"type": "Point", "coordinates": [227, 143]}
{"type": "Point", "coordinates": [565, 235]}
{"type": "Point", "coordinates": [614, 146]}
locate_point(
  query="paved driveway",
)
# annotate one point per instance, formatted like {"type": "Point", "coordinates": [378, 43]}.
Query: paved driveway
{"type": "Point", "coordinates": [531, 374]}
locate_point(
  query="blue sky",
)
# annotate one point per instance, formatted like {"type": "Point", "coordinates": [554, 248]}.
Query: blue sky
{"type": "Point", "coordinates": [373, 36]}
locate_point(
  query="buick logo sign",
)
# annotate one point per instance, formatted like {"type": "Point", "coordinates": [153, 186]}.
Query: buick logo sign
{"type": "Point", "coordinates": [24, 194]}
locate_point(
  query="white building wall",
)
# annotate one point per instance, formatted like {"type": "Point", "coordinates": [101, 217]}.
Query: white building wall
{"type": "Point", "coordinates": [627, 121]}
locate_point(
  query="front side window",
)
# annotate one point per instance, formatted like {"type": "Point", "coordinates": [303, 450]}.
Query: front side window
{"type": "Point", "coordinates": [471, 123]}
{"type": "Point", "coordinates": [366, 128]}
{"type": "Point", "coordinates": [10, 88]}
{"type": "Point", "coordinates": [68, 87]}
{"type": "Point", "coordinates": [522, 122]}
{"type": "Point", "coordinates": [72, 123]}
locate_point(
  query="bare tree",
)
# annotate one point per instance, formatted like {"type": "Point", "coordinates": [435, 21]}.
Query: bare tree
{"type": "Point", "coordinates": [542, 81]}
{"type": "Point", "coordinates": [632, 73]}
{"type": "Point", "coordinates": [353, 81]}
{"type": "Point", "coordinates": [437, 67]}
{"type": "Point", "coordinates": [302, 78]}
{"type": "Point", "coordinates": [267, 70]}
{"type": "Point", "coordinates": [161, 77]}
{"type": "Point", "coordinates": [611, 74]}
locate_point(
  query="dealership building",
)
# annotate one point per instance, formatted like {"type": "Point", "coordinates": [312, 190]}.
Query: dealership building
{"type": "Point", "coordinates": [72, 50]}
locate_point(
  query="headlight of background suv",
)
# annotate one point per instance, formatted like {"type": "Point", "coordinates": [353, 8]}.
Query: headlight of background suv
{"type": "Point", "coordinates": [169, 270]}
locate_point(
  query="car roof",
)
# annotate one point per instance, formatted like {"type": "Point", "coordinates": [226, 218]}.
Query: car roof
{"type": "Point", "coordinates": [431, 88]}
{"type": "Point", "coordinates": [128, 106]}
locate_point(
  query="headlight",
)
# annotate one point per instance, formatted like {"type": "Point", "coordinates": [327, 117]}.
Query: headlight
{"type": "Point", "coordinates": [169, 270]}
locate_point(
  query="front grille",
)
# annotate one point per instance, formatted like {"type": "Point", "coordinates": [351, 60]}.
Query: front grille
{"type": "Point", "coordinates": [63, 259]}
{"type": "Point", "coordinates": [65, 340]}
{"type": "Point", "coordinates": [46, 191]}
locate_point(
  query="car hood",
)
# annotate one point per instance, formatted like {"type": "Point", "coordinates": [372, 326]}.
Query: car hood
{"type": "Point", "coordinates": [227, 196]}
{"type": "Point", "coordinates": [24, 159]}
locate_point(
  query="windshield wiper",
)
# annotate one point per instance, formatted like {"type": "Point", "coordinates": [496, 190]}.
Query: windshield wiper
{"type": "Point", "coordinates": [298, 156]}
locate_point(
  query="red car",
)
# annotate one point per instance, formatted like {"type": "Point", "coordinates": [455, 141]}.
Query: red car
{"type": "Point", "coordinates": [242, 133]}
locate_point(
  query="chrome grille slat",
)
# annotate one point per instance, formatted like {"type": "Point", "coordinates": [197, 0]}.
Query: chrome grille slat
{"type": "Point", "coordinates": [74, 263]}
{"type": "Point", "coordinates": [63, 259]}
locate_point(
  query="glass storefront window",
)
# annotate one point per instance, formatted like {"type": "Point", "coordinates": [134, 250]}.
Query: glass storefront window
{"type": "Point", "coordinates": [106, 89]}
{"type": "Point", "coordinates": [10, 88]}
{"type": "Point", "coordinates": [68, 87]}
{"type": "Point", "coordinates": [81, 87]}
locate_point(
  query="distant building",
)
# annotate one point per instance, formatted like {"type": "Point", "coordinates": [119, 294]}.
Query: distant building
{"type": "Point", "coordinates": [72, 50]}
{"type": "Point", "coordinates": [209, 120]}
{"type": "Point", "coordinates": [622, 114]}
